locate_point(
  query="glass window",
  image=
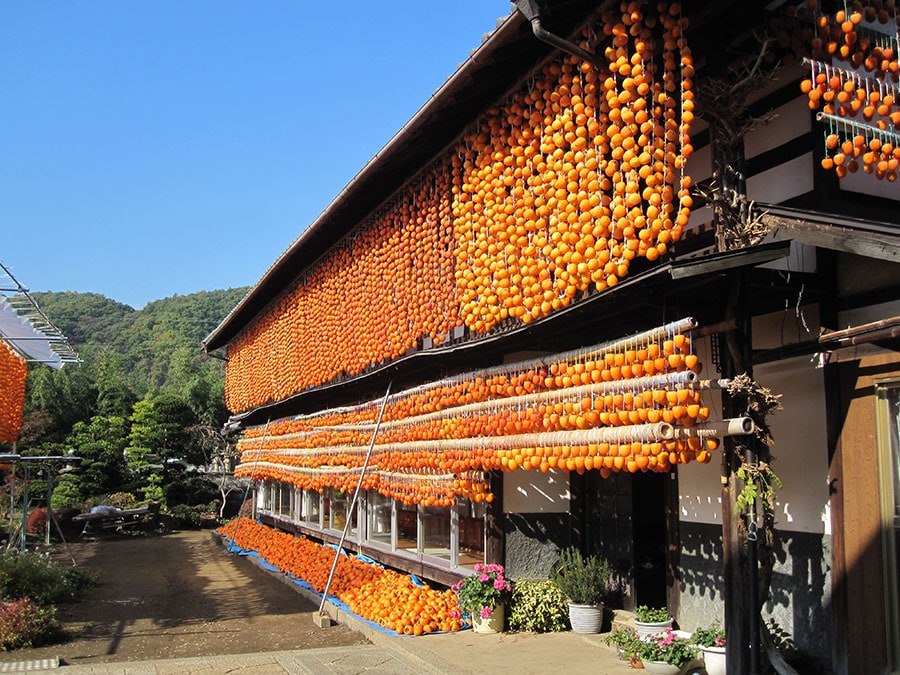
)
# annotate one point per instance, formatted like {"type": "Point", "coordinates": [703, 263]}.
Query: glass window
{"type": "Point", "coordinates": [407, 528]}
{"type": "Point", "coordinates": [311, 507]}
{"type": "Point", "coordinates": [436, 531]}
{"type": "Point", "coordinates": [340, 512]}
{"type": "Point", "coordinates": [285, 493]}
{"type": "Point", "coordinates": [325, 517]}
{"type": "Point", "coordinates": [297, 512]}
{"type": "Point", "coordinates": [379, 518]}
{"type": "Point", "coordinates": [471, 532]}
{"type": "Point", "coordinates": [338, 509]}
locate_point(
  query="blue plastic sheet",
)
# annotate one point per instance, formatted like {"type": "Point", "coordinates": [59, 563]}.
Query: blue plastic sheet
{"type": "Point", "coordinates": [265, 564]}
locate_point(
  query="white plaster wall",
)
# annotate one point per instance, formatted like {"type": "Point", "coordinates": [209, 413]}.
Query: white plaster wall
{"type": "Point", "coordinates": [789, 121]}
{"type": "Point", "coordinates": [794, 324]}
{"type": "Point", "coordinates": [699, 485]}
{"type": "Point", "coordinates": [802, 258]}
{"type": "Point", "coordinates": [536, 492]}
{"type": "Point", "coordinates": [800, 449]}
{"type": "Point", "coordinates": [782, 182]}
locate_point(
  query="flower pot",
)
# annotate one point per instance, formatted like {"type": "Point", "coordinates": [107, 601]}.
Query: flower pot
{"type": "Point", "coordinates": [586, 619]}
{"type": "Point", "coordinates": [714, 660]}
{"type": "Point", "coordinates": [489, 624]}
{"type": "Point", "coordinates": [645, 630]}
{"type": "Point", "coordinates": [661, 668]}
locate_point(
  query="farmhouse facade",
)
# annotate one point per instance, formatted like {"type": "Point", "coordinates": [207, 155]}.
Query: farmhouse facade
{"type": "Point", "coordinates": [542, 315]}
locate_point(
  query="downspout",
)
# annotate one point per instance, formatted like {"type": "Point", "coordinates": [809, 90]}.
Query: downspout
{"type": "Point", "coordinates": [531, 10]}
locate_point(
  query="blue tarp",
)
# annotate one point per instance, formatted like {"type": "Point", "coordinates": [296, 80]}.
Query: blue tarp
{"type": "Point", "coordinates": [234, 548]}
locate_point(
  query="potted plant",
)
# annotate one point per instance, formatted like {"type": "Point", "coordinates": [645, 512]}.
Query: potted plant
{"type": "Point", "coordinates": [651, 620]}
{"type": "Point", "coordinates": [666, 653]}
{"type": "Point", "coordinates": [625, 641]}
{"type": "Point", "coordinates": [711, 640]}
{"type": "Point", "coordinates": [584, 581]}
{"type": "Point", "coordinates": [483, 597]}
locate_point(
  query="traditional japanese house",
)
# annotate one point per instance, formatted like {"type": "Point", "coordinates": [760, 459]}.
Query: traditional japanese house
{"type": "Point", "coordinates": [561, 306]}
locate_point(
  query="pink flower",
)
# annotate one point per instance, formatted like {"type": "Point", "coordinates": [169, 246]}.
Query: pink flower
{"type": "Point", "coordinates": [485, 612]}
{"type": "Point", "coordinates": [483, 577]}
{"type": "Point", "coordinates": [455, 614]}
{"type": "Point", "coordinates": [499, 584]}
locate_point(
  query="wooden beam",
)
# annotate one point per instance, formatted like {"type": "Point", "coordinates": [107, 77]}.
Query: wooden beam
{"type": "Point", "coordinates": [837, 237]}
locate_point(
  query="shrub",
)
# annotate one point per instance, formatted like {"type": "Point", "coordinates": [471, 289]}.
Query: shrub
{"type": "Point", "coordinates": [583, 580]}
{"type": "Point", "coordinates": [537, 607]}
{"type": "Point", "coordinates": [24, 624]}
{"type": "Point", "coordinates": [25, 574]}
{"type": "Point", "coordinates": [625, 641]}
{"type": "Point", "coordinates": [646, 614]}
{"type": "Point", "coordinates": [709, 636]}
{"type": "Point", "coordinates": [190, 490]}
{"type": "Point", "coordinates": [192, 517]}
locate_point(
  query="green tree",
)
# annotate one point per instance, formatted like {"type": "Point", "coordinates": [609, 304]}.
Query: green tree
{"type": "Point", "coordinates": [128, 355]}
{"type": "Point", "coordinates": [158, 441]}
{"type": "Point", "coordinates": [69, 395]}
{"type": "Point", "coordinates": [101, 445]}
{"type": "Point", "coordinates": [114, 395]}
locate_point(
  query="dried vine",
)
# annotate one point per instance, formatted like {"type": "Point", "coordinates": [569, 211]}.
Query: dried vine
{"type": "Point", "coordinates": [760, 486]}
{"type": "Point", "coordinates": [724, 102]}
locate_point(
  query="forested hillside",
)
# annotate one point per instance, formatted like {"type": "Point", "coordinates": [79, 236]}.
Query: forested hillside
{"type": "Point", "coordinates": [128, 355]}
{"type": "Point", "coordinates": [146, 394]}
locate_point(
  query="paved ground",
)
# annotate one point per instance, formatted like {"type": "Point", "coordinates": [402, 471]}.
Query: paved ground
{"type": "Point", "coordinates": [460, 653]}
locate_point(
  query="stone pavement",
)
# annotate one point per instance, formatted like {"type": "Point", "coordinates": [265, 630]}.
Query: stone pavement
{"type": "Point", "coordinates": [461, 653]}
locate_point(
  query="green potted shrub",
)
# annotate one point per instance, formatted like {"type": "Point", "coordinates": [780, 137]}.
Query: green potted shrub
{"type": "Point", "coordinates": [625, 640]}
{"type": "Point", "coordinates": [651, 620]}
{"type": "Point", "coordinates": [537, 606]}
{"type": "Point", "coordinates": [584, 580]}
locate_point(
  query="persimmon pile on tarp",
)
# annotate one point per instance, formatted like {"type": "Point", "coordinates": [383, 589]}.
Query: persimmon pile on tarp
{"type": "Point", "coordinates": [13, 373]}
{"type": "Point", "coordinates": [392, 601]}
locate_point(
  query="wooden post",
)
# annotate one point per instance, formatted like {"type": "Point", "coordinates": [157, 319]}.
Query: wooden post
{"type": "Point", "coordinates": [495, 551]}
{"type": "Point", "coordinates": [733, 345]}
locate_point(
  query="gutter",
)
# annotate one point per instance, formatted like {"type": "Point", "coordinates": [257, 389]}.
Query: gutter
{"type": "Point", "coordinates": [531, 10]}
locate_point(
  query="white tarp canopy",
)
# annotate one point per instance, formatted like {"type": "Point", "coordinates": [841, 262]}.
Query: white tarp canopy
{"type": "Point", "coordinates": [21, 336]}
{"type": "Point", "coordinates": [25, 327]}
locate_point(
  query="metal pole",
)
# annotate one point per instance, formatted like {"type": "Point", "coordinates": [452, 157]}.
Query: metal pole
{"type": "Point", "coordinates": [362, 474]}
{"type": "Point", "coordinates": [25, 499]}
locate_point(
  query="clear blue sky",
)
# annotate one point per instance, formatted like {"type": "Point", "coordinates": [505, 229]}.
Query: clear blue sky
{"type": "Point", "coordinates": [153, 148]}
